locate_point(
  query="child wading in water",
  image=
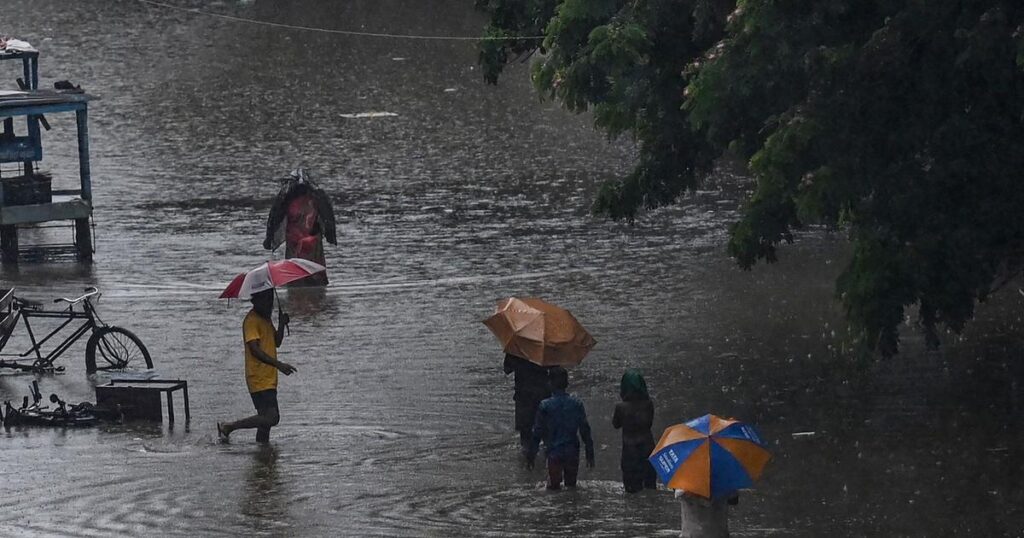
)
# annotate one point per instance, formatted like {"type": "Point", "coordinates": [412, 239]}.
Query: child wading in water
{"type": "Point", "coordinates": [635, 415]}
{"type": "Point", "coordinates": [561, 422]}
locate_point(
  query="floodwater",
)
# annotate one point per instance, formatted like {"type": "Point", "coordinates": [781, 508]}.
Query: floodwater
{"type": "Point", "coordinates": [398, 422]}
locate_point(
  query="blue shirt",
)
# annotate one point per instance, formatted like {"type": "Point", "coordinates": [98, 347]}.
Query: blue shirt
{"type": "Point", "coordinates": [561, 422]}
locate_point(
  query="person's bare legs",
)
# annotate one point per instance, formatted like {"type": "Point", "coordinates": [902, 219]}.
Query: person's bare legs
{"type": "Point", "coordinates": [256, 421]}
{"type": "Point", "coordinates": [262, 423]}
{"type": "Point", "coordinates": [267, 417]}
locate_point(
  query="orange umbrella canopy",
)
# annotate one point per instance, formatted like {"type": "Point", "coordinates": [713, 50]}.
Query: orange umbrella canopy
{"type": "Point", "coordinates": [539, 332]}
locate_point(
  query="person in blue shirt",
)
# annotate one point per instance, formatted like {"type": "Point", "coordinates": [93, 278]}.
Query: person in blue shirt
{"type": "Point", "coordinates": [561, 422]}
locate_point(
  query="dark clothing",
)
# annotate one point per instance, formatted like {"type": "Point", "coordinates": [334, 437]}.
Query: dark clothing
{"type": "Point", "coordinates": [636, 418]}
{"type": "Point", "coordinates": [531, 388]}
{"type": "Point", "coordinates": [561, 422]}
{"type": "Point", "coordinates": [531, 380]}
{"type": "Point", "coordinates": [567, 465]}
{"type": "Point", "coordinates": [526, 412]}
{"type": "Point", "coordinates": [637, 472]}
{"type": "Point", "coordinates": [265, 402]}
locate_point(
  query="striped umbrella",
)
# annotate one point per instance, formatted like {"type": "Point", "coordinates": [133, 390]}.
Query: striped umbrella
{"type": "Point", "coordinates": [710, 456]}
{"type": "Point", "coordinates": [269, 275]}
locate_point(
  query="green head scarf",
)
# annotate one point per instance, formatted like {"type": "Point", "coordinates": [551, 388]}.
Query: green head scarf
{"type": "Point", "coordinates": [633, 386]}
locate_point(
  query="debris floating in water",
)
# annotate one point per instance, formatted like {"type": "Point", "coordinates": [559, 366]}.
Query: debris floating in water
{"type": "Point", "coordinates": [803, 434]}
{"type": "Point", "coordinates": [369, 115]}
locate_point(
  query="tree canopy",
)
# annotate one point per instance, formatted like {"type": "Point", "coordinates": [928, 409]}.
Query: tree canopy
{"type": "Point", "coordinates": [900, 122]}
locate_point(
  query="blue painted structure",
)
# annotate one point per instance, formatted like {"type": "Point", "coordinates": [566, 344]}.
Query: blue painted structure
{"type": "Point", "coordinates": [30, 65]}
{"type": "Point", "coordinates": [28, 106]}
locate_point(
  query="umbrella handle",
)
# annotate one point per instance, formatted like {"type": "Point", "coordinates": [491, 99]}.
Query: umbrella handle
{"type": "Point", "coordinates": [287, 328]}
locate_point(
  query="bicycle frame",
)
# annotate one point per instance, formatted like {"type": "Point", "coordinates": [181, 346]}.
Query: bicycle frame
{"type": "Point", "coordinates": [41, 362]}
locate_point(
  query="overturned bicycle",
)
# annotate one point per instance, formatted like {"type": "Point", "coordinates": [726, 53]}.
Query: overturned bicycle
{"type": "Point", "coordinates": [61, 415]}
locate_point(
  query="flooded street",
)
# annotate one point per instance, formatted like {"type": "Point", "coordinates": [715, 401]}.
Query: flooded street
{"type": "Point", "coordinates": [399, 420]}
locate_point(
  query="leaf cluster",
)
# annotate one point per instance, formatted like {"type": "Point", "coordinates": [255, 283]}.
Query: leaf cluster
{"type": "Point", "coordinates": [899, 121]}
{"type": "Point", "coordinates": [625, 62]}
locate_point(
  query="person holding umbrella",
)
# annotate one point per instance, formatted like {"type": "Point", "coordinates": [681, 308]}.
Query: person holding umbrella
{"type": "Point", "coordinates": [261, 367]}
{"type": "Point", "coordinates": [707, 460]}
{"type": "Point", "coordinates": [531, 388]}
{"type": "Point", "coordinates": [261, 340]}
{"type": "Point", "coordinates": [535, 336]}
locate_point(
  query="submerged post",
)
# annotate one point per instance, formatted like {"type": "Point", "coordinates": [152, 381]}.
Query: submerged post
{"type": "Point", "coordinates": [9, 244]}
{"type": "Point", "coordinates": [83, 235]}
{"type": "Point", "coordinates": [82, 118]}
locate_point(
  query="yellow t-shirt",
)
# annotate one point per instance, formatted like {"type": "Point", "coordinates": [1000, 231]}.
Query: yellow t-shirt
{"type": "Point", "coordinates": [258, 374]}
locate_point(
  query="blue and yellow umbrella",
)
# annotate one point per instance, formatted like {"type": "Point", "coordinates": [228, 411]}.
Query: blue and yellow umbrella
{"type": "Point", "coordinates": [709, 456]}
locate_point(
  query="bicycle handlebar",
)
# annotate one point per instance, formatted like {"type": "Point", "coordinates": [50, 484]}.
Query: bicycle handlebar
{"type": "Point", "coordinates": [89, 292]}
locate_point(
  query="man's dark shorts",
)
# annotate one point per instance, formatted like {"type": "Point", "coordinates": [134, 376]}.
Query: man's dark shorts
{"type": "Point", "coordinates": [265, 401]}
{"type": "Point", "coordinates": [567, 465]}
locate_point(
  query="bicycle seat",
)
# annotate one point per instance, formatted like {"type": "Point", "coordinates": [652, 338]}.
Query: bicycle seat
{"type": "Point", "coordinates": [27, 303]}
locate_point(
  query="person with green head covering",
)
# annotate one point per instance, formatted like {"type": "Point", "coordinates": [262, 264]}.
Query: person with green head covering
{"type": "Point", "coordinates": [635, 415]}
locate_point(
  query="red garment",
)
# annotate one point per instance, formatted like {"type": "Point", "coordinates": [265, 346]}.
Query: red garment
{"type": "Point", "coordinates": [303, 237]}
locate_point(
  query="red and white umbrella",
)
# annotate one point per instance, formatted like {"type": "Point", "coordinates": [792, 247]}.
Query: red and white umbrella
{"type": "Point", "coordinates": [268, 276]}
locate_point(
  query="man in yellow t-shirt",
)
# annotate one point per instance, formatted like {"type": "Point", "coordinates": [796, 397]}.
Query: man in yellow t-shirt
{"type": "Point", "coordinates": [261, 366]}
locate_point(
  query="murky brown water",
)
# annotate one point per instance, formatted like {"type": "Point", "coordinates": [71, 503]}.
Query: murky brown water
{"type": "Point", "coordinates": [399, 420]}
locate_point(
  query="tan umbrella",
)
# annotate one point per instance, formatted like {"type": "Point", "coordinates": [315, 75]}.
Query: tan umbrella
{"type": "Point", "coordinates": [539, 332]}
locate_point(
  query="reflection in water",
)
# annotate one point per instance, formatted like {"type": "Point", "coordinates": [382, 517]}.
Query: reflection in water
{"type": "Point", "coordinates": [306, 302]}
{"type": "Point", "coordinates": [263, 499]}
{"type": "Point", "coordinates": [29, 273]}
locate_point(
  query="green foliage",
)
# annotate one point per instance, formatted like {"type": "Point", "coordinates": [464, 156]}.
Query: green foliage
{"type": "Point", "coordinates": [917, 148]}
{"type": "Point", "coordinates": [510, 32]}
{"type": "Point", "coordinates": [899, 121]}
{"type": "Point", "coordinates": [625, 62]}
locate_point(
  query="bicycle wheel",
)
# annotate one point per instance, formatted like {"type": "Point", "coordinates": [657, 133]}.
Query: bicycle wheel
{"type": "Point", "coordinates": [116, 348]}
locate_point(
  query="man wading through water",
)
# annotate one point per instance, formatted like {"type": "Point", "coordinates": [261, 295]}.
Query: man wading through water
{"type": "Point", "coordinates": [261, 367]}
{"type": "Point", "coordinates": [531, 388]}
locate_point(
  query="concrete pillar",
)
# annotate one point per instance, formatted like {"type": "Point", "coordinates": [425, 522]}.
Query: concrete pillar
{"type": "Point", "coordinates": [82, 119]}
{"type": "Point", "coordinates": [9, 244]}
{"type": "Point", "coordinates": [701, 518]}
{"type": "Point", "coordinates": [83, 239]}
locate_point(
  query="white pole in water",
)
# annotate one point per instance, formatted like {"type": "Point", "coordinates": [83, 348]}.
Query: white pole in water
{"type": "Point", "coordinates": [701, 518]}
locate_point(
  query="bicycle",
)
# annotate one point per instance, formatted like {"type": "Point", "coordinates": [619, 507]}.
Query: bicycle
{"type": "Point", "coordinates": [83, 414]}
{"type": "Point", "coordinates": [114, 347]}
